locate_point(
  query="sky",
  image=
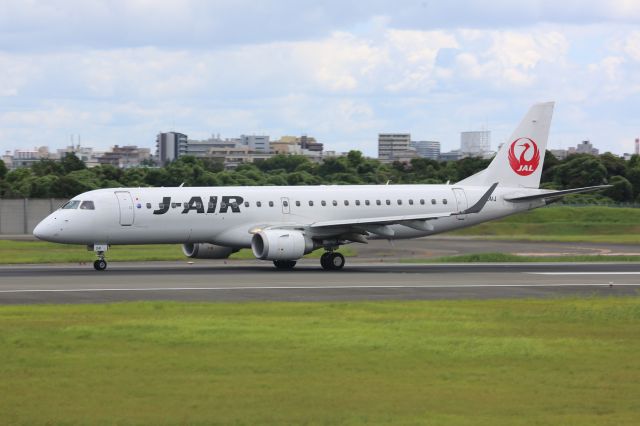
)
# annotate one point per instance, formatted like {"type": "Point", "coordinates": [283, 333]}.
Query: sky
{"type": "Point", "coordinates": [119, 72]}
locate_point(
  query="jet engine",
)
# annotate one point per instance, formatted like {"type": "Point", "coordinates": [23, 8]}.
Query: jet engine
{"type": "Point", "coordinates": [206, 251]}
{"type": "Point", "coordinates": [281, 244]}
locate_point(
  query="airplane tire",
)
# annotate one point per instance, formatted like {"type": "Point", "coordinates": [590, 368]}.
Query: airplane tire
{"type": "Point", "coordinates": [284, 264]}
{"type": "Point", "coordinates": [332, 261]}
{"type": "Point", "coordinates": [337, 261]}
{"type": "Point", "coordinates": [100, 265]}
{"type": "Point", "coordinates": [324, 260]}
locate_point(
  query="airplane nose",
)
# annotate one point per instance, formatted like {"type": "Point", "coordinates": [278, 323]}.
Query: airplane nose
{"type": "Point", "coordinates": [44, 230]}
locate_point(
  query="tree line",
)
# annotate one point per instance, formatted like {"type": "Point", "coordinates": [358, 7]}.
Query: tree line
{"type": "Point", "coordinates": [70, 176]}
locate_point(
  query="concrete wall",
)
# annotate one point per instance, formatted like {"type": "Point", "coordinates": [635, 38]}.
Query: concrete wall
{"type": "Point", "coordinates": [21, 216]}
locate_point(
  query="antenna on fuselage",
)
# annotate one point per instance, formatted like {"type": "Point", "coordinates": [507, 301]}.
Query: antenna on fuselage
{"type": "Point", "coordinates": [181, 185]}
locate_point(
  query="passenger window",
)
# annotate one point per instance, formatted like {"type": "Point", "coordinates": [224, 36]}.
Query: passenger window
{"type": "Point", "coordinates": [444, 201]}
{"type": "Point", "coordinates": [285, 203]}
{"type": "Point", "coordinates": [297, 203]}
{"type": "Point", "coordinates": [246, 204]}
{"type": "Point", "coordinates": [357, 202]}
{"type": "Point", "coordinates": [70, 205]}
{"type": "Point", "coordinates": [258, 204]}
{"type": "Point", "coordinates": [234, 205]}
{"type": "Point", "coordinates": [346, 202]}
{"type": "Point", "coordinates": [378, 202]}
{"type": "Point", "coordinates": [334, 202]}
{"type": "Point", "coordinates": [388, 202]}
{"type": "Point", "coordinates": [433, 201]}
{"type": "Point", "coordinates": [174, 205]}
{"type": "Point", "coordinates": [399, 202]}
{"type": "Point", "coordinates": [87, 205]}
{"type": "Point", "coordinates": [422, 201]}
{"type": "Point", "coordinates": [324, 203]}
{"type": "Point", "coordinates": [211, 206]}
{"type": "Point", "coordinates": [223, 206]}
{"type": "Point", "coordinates": [410, 202]}
{"type": "Point", "coordinates": [198, 205]}
{"type": "Point", "coordinates": [310, 203]}
{"type": "Point", "coordinates": [366, 202]}
{"type": "Point", "coordinates": [148, 205]}
{"type": "Point", "coordinates": [270, 203]}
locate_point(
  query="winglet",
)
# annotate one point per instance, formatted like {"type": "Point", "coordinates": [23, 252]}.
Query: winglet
{"type": "Point", "coordinates": [477, 207]}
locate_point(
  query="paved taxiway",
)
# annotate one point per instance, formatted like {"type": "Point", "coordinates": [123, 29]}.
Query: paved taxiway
{"type": "Point", "coordinates": [247, 281]}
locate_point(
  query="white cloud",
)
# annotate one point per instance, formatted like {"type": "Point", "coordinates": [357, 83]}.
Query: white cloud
{"type": "Point", "coordinates": [343, 71]}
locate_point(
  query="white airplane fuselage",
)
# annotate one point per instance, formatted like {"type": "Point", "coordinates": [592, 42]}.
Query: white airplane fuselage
{"type": "Point", "coordinates": [229, 216]}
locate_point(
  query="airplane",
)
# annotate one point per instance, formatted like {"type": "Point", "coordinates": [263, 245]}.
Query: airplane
{"type": "Point", "coordinates": [283, 223]}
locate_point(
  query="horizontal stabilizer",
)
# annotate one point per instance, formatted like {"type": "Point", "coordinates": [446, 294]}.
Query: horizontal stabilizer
{"type": "Point", "coordinates": [551, 195]}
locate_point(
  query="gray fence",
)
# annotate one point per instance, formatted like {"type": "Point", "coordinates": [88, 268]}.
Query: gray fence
{"type": "Point", "coordinates": [21, 216]}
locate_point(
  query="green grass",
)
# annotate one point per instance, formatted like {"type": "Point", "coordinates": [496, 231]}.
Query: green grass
{"type": "Point", "coordinates": [507, 257]}
{"type": "Point", "coordinates": [43, 252]}
{"type": "Point", "coordinates": [571, 224]}
{"type": "Point", "coordinates": [510, 362]}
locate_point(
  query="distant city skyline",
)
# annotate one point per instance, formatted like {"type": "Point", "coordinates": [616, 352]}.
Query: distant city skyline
{"type": "Point", "coordinates": [119, 72]}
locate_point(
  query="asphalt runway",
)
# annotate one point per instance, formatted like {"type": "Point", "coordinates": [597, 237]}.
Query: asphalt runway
{"type": "Point", "coordinates": [253, 281]}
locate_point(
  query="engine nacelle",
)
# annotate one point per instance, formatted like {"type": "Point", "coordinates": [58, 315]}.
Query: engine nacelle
{"type": "Point", "coordinates": [281, 244]}
{"type": "Point", "coordinates": [206, 251]}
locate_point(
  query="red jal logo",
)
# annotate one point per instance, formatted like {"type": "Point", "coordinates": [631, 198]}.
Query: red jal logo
{"type": "Point", "coordinates": [520, 164]}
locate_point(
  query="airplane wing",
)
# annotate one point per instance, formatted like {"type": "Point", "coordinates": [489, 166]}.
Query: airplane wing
{"type": "Point", "coordinates": [551, 195]}
{"type": "Point", "coordinates": [388, 220]}
{"type": "Point", "coordinates": [380, 225]}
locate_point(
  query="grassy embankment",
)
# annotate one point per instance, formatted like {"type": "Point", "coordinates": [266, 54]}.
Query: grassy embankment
{"type": "Point", "coordinates": [565, 224]}
{"type": "Point", "coordinates": [509, 362]}
{"type": "Point", "coordinates": [568, 224]}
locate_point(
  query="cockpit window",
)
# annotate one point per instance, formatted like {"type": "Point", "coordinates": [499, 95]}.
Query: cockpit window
{"type": "Point", "coordinates": [87, 205]}
{"type": "Point", "coordinates": [73, 204]}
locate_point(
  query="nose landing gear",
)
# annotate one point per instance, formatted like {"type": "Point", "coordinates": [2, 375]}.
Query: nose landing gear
{"type": "Point", "coordinates": [101, 263]}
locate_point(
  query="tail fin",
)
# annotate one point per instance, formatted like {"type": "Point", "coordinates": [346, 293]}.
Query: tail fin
{"type": "Point", "coordinates": [518, 162]}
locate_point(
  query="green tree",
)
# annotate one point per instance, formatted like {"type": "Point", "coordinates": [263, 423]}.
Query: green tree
{"type": "Point", "coordinates": [71, 162]}
{"type": "Point", "coordinates": [622, 191]}
{"type": "Point", "coordinates": [3, 169]}
{"type": "Point", "coordinates": [46, 167]}
{"type": "Point", "coordinates": [580, 170]}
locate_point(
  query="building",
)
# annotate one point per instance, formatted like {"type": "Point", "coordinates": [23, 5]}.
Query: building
{"type": "Point", "coordinates": [87, 154]}
{"type": "Point", "coordinates": [256, 143]}
{"type": "Point", "coordinates": [427, 149]}
{"type": "Point", "coordinates": [170, 146]}
{"type": "Point", "coordinates": [560, 154]}
{"type": "Point", "coordinates": [309, 143]}
{"type": "Point", "coordinates": [27, 157]}
{"type": "Point", "coordinates": [395, 147]}
{"type": "Point", "coordinates": [584, 147]}
{"type": "Point", "coordinates": [125, 157]}
{"type": "Point", "coordinates": [475, 143]}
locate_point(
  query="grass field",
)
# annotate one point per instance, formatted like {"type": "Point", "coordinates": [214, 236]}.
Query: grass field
{"type": "Point", "coordinates": [44, 252]}
{"type": "Point", "coordinates": [570, 224]}
{"type": "Point", "coordinates": [510, 362]}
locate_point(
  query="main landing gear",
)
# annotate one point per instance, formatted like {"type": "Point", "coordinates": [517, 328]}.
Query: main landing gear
{"type": "Point", "coordinates": [101, 263]}
{"type": "Point", "coordinates": [332, 261]}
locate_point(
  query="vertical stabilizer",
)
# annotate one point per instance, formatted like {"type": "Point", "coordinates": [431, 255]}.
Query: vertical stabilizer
{"type": "Point", "coordinates": [518, 162]}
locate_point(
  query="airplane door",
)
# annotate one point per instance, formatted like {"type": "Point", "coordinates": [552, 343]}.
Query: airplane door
{"type": "Point", "coordinates": [125, 202]}
{"type": "Point", "coordinates": [285, 205]}
{"type": "Point", "coordinates": [461, 202]}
